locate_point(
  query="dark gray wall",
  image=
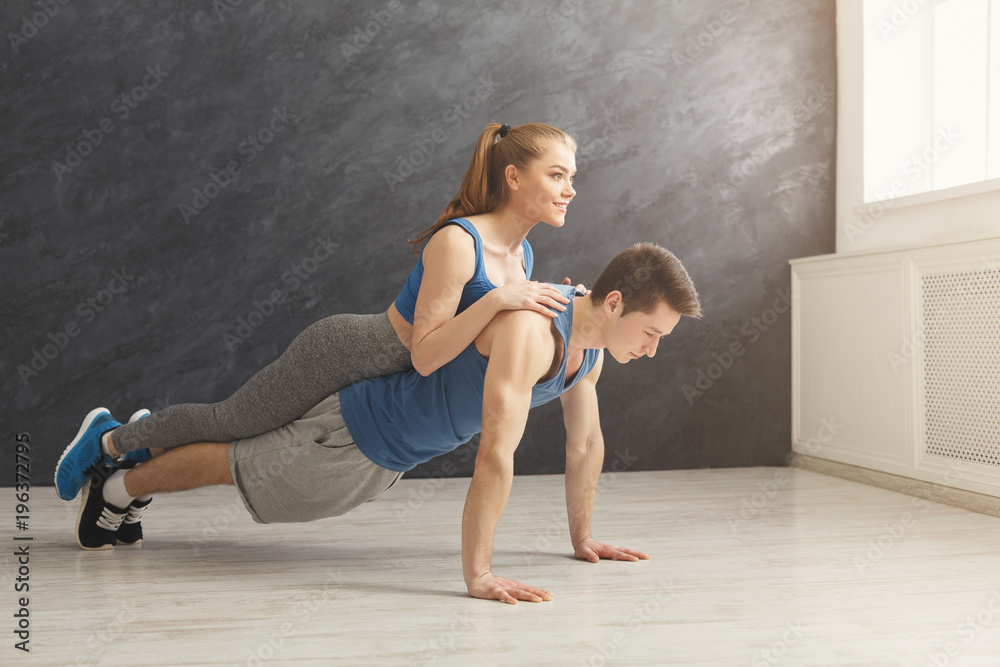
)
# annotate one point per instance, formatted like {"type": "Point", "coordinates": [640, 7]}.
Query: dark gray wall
{"type": "Point", "coordinates": [705, 126]}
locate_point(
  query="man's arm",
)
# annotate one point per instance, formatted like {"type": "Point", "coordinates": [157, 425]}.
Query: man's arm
{"type": "Point", "coordinates": [521, 353]}
{"type": "Point", "coordinates": [584, 459]}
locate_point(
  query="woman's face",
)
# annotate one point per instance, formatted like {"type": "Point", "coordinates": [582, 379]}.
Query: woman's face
{"type": "Point", "coordinates": [544, 188]}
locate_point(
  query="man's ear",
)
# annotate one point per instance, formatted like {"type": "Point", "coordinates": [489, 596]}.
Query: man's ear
{"type": "Point", "coordinates": [613, 302]}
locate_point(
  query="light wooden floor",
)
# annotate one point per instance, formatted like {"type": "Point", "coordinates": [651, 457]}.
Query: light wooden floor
{"type": "Point", "coordinates": [826, 572]}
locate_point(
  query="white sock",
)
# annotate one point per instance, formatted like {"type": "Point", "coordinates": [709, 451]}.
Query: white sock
{"type": "Point", "coordinates": [114, 490]}
{"type": "Point", "coordinates": [104, 443]}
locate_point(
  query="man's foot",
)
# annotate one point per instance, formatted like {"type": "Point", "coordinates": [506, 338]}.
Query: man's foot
{"type": "Point", "coordinates": [83, 456]}
{"type": "Point", "coordinates": [130, 531]}
{"type": "Point", "coordinates": [97, 521]}
{"type": "Point", "coordinates": [139, 455]}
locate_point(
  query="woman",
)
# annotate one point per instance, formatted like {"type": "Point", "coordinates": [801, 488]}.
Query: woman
{"type": "Point", "coordinates": [475, 262]}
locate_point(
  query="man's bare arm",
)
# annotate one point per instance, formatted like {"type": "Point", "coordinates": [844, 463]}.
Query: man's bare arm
{"type": "Point", "coordinates": [521, 353]}
{"type": "Point", "coordinates": [584, 459]}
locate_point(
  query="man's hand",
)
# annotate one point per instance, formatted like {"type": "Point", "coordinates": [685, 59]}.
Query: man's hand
{"type": "Point", "coordinates": [592, 550]}
{"type": "Point", "coordinates": [487, 586]}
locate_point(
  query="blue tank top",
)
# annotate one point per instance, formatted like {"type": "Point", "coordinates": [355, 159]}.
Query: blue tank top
{"type": "Point", "coordinates": [473, 291]}
{"type": "Point", "coordinates": [401, 420]}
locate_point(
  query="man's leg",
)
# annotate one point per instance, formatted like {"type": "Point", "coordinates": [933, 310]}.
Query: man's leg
{"type": "Point", "coordinates": [108, 505]}
{"type": "Point", "coordinates": [180, 469]}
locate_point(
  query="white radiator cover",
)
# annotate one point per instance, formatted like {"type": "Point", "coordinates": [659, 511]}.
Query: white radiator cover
{"type": "Point", "coordinates": [900, 351]}
{"type": "Point", "coordinates": [960, 320]}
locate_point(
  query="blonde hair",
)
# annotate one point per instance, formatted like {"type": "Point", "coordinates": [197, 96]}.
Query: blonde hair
{"type": "Point", "coordinates": [484, 186]}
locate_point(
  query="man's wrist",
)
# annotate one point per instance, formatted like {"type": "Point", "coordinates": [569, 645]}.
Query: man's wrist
{"type": "Point", "coordinates": [472, 577]}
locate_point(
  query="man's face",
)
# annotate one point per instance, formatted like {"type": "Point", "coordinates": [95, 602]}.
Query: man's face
{"type": "Point", "coordinates": [637, 334]}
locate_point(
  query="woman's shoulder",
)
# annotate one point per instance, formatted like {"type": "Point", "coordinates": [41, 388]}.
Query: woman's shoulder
{"type": "Point", "coordinates": [451, 234]}
{"type": "Point", "coordinates": [475, 220]}
{"type": "Point", "coordinates": [451, 244]}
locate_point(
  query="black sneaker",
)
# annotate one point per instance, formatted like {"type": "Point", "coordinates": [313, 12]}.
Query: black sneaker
{"type": "Point", "coordinates": [97, 521]}
{"type": "Point", "coordinates": [130, 531]}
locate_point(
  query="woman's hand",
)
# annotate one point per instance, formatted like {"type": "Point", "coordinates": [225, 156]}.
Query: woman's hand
{"type": "Point", "coordinates": [531, 295]}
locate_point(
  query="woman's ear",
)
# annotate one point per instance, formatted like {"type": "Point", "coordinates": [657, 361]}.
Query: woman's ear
{"type": "Point", "coordinates": [512, 177]}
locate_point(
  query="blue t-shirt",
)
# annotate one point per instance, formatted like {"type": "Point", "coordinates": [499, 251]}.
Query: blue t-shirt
{"type": "Point", "coordinates": [473, 291]}
{"type": "Point", "coordinates": [401, 420]}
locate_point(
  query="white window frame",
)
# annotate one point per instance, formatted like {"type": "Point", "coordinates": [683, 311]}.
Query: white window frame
{"type": "Point", "coordinates": [961, 213]}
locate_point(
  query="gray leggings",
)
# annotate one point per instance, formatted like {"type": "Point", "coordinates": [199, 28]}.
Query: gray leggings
{"type": "Point", "coordinates": [329, 355]}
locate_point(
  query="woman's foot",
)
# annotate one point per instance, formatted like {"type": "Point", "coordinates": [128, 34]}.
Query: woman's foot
{"type": "Point", "coordinates": [139, 455]}
{"type": "Point", "coordinates": [83, 456]}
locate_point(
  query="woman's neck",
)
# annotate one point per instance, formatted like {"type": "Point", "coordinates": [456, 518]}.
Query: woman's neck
{"type": "Point", "coordinates": [507, 228]}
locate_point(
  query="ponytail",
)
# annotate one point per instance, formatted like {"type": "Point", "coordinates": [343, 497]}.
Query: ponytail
{"type": "Point", "coordinates": [484, 186]}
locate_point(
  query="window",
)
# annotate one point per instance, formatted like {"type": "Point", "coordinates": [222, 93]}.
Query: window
{"type": "Point", "coordinates": [931, 95]}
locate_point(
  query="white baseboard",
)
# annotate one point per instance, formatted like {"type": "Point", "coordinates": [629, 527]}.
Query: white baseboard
{"type": "Point", "coordinates": [938, 493]}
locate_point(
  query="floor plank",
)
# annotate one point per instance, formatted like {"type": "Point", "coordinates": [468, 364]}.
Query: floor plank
{"type": "Point", "coordinates": [751, 566]}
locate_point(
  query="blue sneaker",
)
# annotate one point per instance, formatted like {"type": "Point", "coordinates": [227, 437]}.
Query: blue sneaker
{"type": "Point", "coordinates": [83, 456]}
{"type": "Point", "coordinates": [139, 455]}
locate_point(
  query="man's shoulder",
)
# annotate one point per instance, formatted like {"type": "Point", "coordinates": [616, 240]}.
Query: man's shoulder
{"type": "Point", "coordinates": [521, 335]}
{"type": "Point", "coordinates": [524, 322]}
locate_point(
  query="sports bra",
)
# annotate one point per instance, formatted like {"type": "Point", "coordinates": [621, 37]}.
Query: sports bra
{"type": "Point", "coordinates": [473, 291]}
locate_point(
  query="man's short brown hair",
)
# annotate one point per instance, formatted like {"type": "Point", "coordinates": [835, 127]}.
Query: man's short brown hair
{"type": "Point", "coordinates": [646, 274]}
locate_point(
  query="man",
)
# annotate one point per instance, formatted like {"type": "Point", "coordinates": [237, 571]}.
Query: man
{"type": "Point", "coordinates": [371, 432]}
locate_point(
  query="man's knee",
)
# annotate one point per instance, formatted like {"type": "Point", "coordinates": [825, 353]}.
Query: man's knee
{"type": "Point", "coordinates": [225, 474]}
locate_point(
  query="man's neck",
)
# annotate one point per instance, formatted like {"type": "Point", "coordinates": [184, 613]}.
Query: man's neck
{"type": "Point", "coordinates": [587, 330]}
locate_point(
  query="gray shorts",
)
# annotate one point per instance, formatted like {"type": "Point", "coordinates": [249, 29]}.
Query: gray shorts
{"type": "Point", "coordinates": [306, 470]}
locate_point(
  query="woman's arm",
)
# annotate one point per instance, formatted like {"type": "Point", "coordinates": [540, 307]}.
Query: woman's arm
{"type": "Point", "coordinates": [449, 263]}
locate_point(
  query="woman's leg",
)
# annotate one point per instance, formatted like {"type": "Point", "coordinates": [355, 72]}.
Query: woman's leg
{"type": "Point", "coordinates": [329, 355]}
